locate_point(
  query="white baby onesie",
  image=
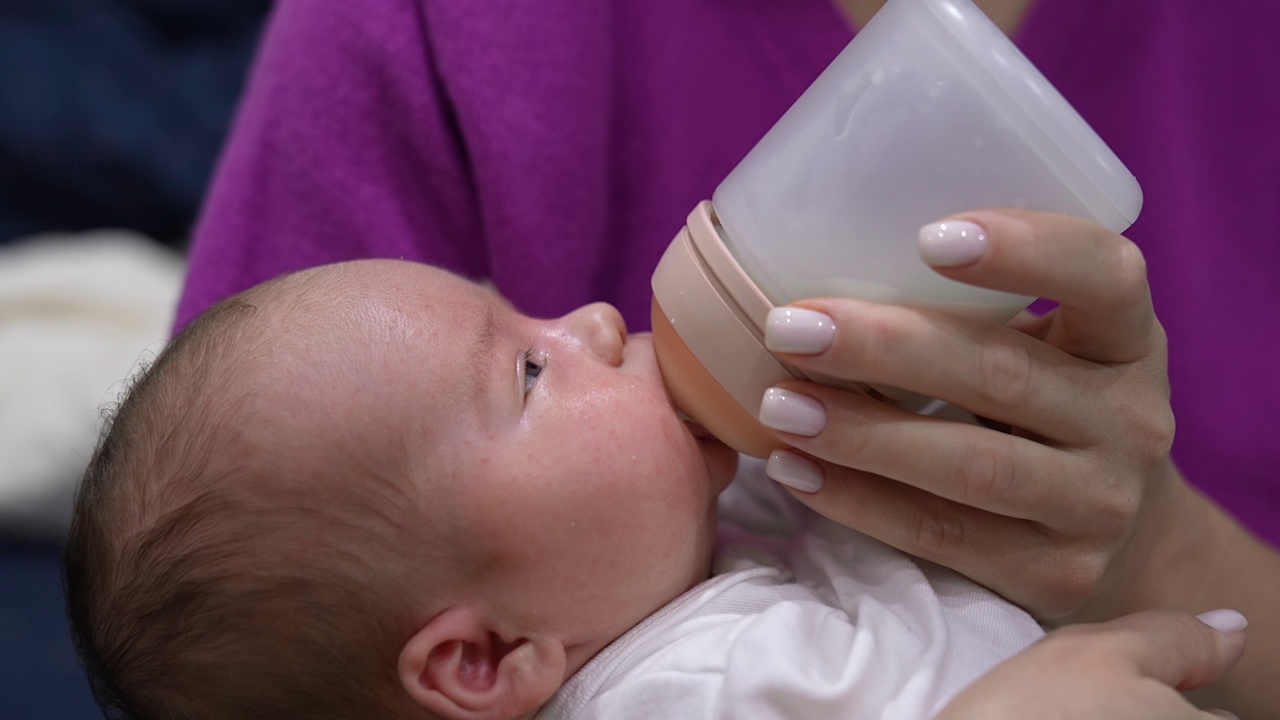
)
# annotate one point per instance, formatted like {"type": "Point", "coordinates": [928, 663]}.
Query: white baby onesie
{"type": "Point", "coordinates": [803, 619]}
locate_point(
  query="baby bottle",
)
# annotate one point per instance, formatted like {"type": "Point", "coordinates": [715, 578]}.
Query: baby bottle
{"type": "Point", "coordinates": [929, 111]}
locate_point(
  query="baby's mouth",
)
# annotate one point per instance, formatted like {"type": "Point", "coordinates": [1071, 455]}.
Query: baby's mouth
{"type": "Point", "coordinates": [721, 460]}
{"type": "Point", "coordinates": [694, 426]}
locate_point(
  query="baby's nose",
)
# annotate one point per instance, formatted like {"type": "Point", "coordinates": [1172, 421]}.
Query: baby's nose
{"type": "Point", "coordinates": [601, 330]}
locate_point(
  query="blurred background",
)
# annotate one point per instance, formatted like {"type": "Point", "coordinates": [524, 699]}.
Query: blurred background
{"type": "Point", "coordinates": [112, 113]}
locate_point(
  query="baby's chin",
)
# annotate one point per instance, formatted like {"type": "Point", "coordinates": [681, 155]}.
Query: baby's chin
{"type": "Point", "coordinates": [721, 460]}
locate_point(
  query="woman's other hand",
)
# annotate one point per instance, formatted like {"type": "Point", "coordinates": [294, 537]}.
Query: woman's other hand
{"type": "Point", "coordinates": [1127, 669]}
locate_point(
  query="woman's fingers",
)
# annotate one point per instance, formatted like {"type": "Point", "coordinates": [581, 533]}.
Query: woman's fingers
{"type": "Point", "coordinates": [1128, 669]}
{"type": "Point", "coordinates": [1015, 556]}
{"type": "Point", "coordinates": [996, 472]}
{"type": "Point", "coordinates": [1099, 278]}
{"type": "Point", "coordinates": [992, 371]}
{"type": "Point", "coordinates": [1044, 514]}
{"type": "Point", "coordinates": [1173, 648]}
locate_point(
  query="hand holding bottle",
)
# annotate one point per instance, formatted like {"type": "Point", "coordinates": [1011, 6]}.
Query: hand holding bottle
{"type": "Point", "coordinates": [1066, 501]}
{"type": "Point", "coordinates": [1049, 513]}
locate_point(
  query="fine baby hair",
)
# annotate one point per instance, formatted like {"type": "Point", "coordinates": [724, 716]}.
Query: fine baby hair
{"type": "Point", "coordinates": [375, 489]}
{"type": "Point", "coordinates": [198, 590]}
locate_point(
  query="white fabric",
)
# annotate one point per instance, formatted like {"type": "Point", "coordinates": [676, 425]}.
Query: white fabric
{"type": "Point", "coordinates": [803, 619]}
{"type": "Point", "coordinates": [77, 313]}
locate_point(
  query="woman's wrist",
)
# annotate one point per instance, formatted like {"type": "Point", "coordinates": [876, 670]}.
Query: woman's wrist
{"type": "Point", "coordinates": [1238, 568]}
{"type": "Point", "coordinates": [1188, 554]}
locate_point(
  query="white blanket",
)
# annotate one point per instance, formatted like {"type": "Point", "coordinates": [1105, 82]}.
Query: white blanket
{"type": "Point", "coordinates": [77, 313]}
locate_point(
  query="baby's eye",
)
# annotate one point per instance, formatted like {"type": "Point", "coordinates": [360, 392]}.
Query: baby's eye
{"type": "Point", "coordinates": [531, 370]}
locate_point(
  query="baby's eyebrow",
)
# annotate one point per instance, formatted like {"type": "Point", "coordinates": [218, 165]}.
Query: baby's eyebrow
{"type": "Point", "coordinates": [485, 339]}
{"type": "Point", "coordinates": [489, 376]}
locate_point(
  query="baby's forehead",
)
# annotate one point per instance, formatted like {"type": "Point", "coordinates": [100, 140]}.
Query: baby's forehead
{"type": "Point", "coordinates": [359, 340]}
{"type": "Point", "coordinates": [395, 284]}
{"type": "Point", "coordinates": [382, 328]}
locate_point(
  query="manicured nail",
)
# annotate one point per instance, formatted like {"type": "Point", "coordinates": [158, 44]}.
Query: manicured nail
{"type": "Point", "coordinates": [798, 330]}
{"type": "Point", "coordinates": [952, 243]}
{"type": "Point", "coordinates": [792, 412]}
{"type": "Point", "coordinates": [1225, 714]}
{"type": "Point", "coordinates": [794, 471]}
{"type": "Point", "coordinates": [1227, 622]}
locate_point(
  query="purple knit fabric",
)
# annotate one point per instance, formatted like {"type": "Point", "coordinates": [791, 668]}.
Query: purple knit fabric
{"type": "Point", "coordinates": [557, 146]}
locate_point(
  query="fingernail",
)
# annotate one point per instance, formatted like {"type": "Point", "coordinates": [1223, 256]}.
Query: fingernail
{"type": "Point", "coordinates": [794, 471]}
{"type": "Point", "coordinates": [952, 243]}
{"type": "Point", "coordinates": [1225, 714]}
{"type": "Point", "coordinates": [798, 330]}
{"type": "Point", "coordinates": [792, 412]}
{"type": "Point", "coordinates": [1227, 622]}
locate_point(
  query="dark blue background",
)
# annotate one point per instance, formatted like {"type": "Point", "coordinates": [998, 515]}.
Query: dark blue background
{"type": "Point", "coordinates": [112, 111]}
{"type": "Point", "coordinates": [111, 115]}
{"type": "Point", "coordinates": [40, 678]}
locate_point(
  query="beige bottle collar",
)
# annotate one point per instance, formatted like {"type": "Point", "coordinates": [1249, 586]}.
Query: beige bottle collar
{"type": "Point", "coordinates": [708, 333]}
{"type": "Point", "coordinates": [717, 314]}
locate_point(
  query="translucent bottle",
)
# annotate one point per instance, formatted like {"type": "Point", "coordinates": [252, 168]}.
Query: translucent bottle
{"type": "Point", "coordinates": [929, 111]}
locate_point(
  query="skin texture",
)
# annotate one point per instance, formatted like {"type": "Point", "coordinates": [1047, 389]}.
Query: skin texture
{"type": "Point", "coordinates": [445, 389]}
{"type": "Point", "coordinates": [556, 489]}
{"type": "Point", "coordinates": [1078, 514]}
{"type": "Point", "coordinates": [1128, 668]}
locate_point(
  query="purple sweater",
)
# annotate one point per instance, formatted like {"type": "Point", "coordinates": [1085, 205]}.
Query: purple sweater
{"type": "Point", "coordinates": [557, 146]}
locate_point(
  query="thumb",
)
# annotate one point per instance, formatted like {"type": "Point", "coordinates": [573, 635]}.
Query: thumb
{"type": "Point", "coordinates": [1179, 650]}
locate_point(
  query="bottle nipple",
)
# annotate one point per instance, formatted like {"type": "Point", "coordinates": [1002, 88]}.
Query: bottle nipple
{"type": "Point", "coordinates": [697, 394]}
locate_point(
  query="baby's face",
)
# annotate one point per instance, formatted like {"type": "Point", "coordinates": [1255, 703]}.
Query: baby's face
{"type": "Point", "coordinates": [545, 452]}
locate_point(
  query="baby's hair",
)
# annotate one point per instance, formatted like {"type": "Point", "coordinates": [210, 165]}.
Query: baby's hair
{"type": "Point", "coordinates": [195, 588]}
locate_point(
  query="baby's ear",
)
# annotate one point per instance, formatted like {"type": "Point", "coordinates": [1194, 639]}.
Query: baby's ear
{"type": "Point", "coordinates": [457, 667]}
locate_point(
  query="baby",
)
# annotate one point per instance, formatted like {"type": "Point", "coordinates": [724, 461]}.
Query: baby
{"type": "Point", "coordinates": [375, 490]}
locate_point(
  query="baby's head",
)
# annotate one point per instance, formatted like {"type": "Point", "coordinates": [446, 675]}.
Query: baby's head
{"type": "Point", "coordinates": [375, 490]}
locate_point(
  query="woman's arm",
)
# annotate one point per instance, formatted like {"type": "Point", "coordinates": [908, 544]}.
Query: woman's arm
{"type": "Point", "coordinates": [1077, 513]}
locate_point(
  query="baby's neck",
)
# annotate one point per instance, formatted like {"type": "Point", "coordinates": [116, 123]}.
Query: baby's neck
{"type": "Point", "coordinates": [581, 654]}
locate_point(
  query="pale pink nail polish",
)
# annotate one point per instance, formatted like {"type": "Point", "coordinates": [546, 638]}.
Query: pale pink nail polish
{"type": "Point", "coordinates": [794, 471]}
{"type": "Point", "coordinates": [792, 412]}
{"type": "Point", "coordinates": [952, 243]}
{"type": "Point", "coordinates": [798, 330]}
{"type": "Point", "coordinates": [1227, 622]}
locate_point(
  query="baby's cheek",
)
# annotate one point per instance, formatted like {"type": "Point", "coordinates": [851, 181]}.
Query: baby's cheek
{"type": "Point", "coordinates": [632, 408]}
{"type": "Point", "coordinates": [666, 436]}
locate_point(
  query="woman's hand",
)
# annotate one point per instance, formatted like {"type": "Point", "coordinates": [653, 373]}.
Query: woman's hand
{"type": "Point", "coordinates": [1076, 513]}
{"type": "Point", "coordinates": [1046, 514]}
{"type": "Point", "coordinates": [1127, 669]}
